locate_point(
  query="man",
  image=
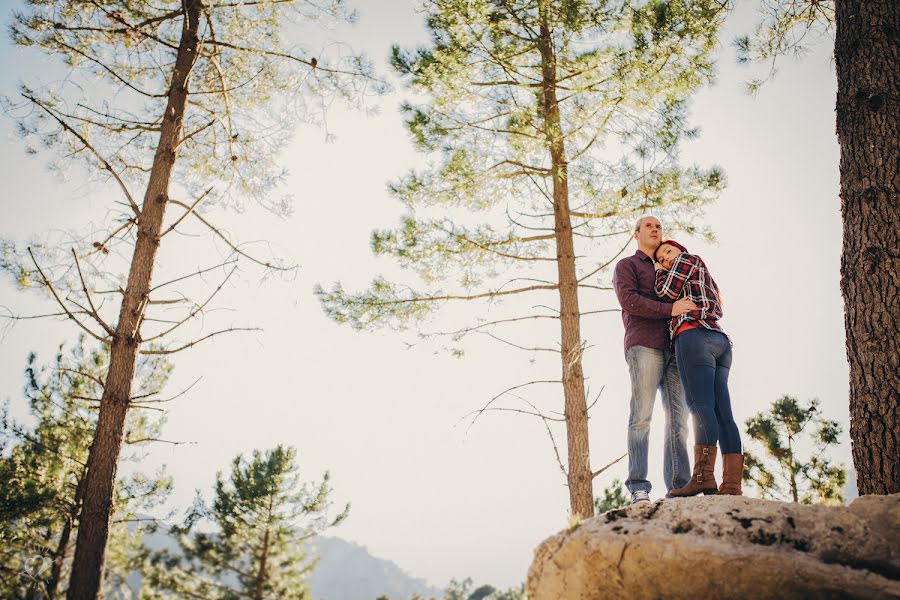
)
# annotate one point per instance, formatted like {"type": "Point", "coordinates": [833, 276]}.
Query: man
{"type": "Point", "coordinates": [651, 364]}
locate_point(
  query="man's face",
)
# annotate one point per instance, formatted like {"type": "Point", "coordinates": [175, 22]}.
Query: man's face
{"type": "Point", "coordinates": [649, 234]}
{"type": "Point", "coordinates": [667, 254]}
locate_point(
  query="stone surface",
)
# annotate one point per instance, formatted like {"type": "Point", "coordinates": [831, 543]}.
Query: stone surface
{"type": "Point", "coordinates": [725, 547]}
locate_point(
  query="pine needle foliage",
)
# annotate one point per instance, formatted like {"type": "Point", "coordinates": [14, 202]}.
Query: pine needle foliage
{"type": "Point", "coordinates": [624, 74]}
{"type": "Point", "coordinates": [547, 127]}
{"type": "Point", "coordinates": [782, 472]}
{"type": "Point", "coordinates": [614, 496]}
{"type": "Point", "coordinates": [43, 467]}
{"type": "Point", "coordinates": [249, 542]}
{"type": "Point", "coordinates": [784, 28]}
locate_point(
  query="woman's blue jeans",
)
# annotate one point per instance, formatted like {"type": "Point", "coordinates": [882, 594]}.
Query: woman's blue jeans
{"type": "Point", "coordinates": [704, 360]}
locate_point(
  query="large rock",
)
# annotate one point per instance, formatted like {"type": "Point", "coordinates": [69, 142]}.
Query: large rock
{"type": "Point", "coordinates": [725, 547]}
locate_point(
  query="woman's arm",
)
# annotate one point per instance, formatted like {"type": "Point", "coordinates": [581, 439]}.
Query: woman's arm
{"type": "Point", "coordinates": [669, 283]}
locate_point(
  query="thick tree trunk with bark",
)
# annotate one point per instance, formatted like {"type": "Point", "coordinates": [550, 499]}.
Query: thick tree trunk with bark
{"type": "Point", "coordinates": [867, 56]}
{"type": "Point", "coordinates": [103, 460]}
{"type": "Point", "coordinates": [580, 481]}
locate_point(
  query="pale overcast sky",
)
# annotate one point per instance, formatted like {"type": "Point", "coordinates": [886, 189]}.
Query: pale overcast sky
{"type": "Point", "coordinates": [437, 498]}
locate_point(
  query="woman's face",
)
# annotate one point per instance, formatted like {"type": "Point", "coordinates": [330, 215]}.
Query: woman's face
{"type": "Point", "coordinates": [667, 254]}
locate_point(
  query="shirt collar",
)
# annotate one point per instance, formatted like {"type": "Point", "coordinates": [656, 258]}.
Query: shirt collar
{"type": "Point", "coordinates": [640, 254]}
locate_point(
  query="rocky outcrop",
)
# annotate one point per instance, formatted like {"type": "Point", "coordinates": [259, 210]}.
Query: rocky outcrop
{"type": "Point", "coordinates": [725, 547]}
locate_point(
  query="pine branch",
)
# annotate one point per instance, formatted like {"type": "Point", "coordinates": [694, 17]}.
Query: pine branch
{"type": "Point", "coordinates": [62, 305]}
{"type": "Point", "coordinates": [108, 167]}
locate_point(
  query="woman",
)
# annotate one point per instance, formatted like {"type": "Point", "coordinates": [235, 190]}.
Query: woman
{"type": "Point", "coordinates": [703, 352]}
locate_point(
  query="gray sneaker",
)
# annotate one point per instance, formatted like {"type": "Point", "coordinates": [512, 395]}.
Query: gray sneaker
{"type": "Point", "coordinates": [640, 496]}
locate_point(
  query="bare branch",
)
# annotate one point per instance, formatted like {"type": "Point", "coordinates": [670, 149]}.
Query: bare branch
{"type": "Point", "coordinates": [94, 312]}
{"type": "Point", "coordinates": [176, 280]}
{"type": "Point", "coordinates": [101, 246]}
{"type": "Point", "coordinates": [477, 413]}
{"type": "Point", "coordinates": [197, 341]}
{"type": "Point", "coordinates": [605, 310]}
{"type": "Point", "coordinates": [96, 380]}
{"type": "Point", "coordinates": [178, 395]}
{"type": "Point", "coordinates": [229, 242]}
{"type": "Point", "coordinates": [143, 440]}
{"type": "Point", "coordinates": [522, 412]}
{"type": "Point", "coordinates": [62, 305]}
{"type": "Point", "coordinates": [499, 339]}
{"type": "Point", "coordinates": [309, 63]}
{"type": "Point", "coordinates": [194, 312]}
{"type": "Point", "coordinates": [473, 296]}
{"type": "Point", "coordinates": [607, 263]}
{"type": "Point", "coordinates": [562, 467]}
{"type": "Point", "coordinates": [605, 467]}
{"type": "Point", "coordinates": [591, 405]}
{"type": "Point", "coordinates": [462, 332]}
{"type": "Point", "coordinates": [186, 213]}
{"type": "Point", "coordinates": [103, 161]}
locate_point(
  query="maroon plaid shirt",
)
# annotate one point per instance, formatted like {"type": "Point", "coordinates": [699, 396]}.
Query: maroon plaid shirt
{"type": "Point", "coordinates": [689, 278]}
{"type": "Point", "coordinates": [644, 315]}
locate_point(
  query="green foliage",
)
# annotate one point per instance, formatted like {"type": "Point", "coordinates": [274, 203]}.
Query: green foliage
{"type": "Point", "coordinates": [463, 590]}
{"type": "Point", "coordinates": [782, 473]}
{"type": "Point", "coordinates": [785, 28]}
{"type": "Point", "coordinates": [105, 103]}
{"type": "Point", "coordinates": [42, 466]}
{"type": "Point", "coordinates": [249, 85]}
{"type": "Point", "coordinates": [478, 214]}
{"type": "Point", "coordinates": [249, 541]}
{"type": "Point", "coordinates": [614, 496]}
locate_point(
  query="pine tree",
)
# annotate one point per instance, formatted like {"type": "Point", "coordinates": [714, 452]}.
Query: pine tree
{"type": "Point", "coordinates": [550, 126]}
{"type": "Point", "coordinates": [43, 473]}
{"type": "Point", "coordinates": [780, 432]}
{"type": "Point", "coordinates": [182, 107]}
{"type": "Point", "coordinates": [250, 541]}
{"type": "Point", "coordinates": [867, 60]}
{"type": "Point", "coordinates": [614, 496]}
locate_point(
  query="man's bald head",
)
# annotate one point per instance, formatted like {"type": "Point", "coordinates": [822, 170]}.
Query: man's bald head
{"type": "Point", "coordinates": [648, 233]}
{"type": "Point", "coordinates": [637, 225]}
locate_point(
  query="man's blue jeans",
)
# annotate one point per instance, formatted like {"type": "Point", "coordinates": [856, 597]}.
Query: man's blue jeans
{"type": "Point", "coordinates": [655, 369]}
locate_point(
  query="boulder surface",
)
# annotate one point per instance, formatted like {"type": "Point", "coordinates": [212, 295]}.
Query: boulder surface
{"type": "Point", "coordinates": [725, 547]}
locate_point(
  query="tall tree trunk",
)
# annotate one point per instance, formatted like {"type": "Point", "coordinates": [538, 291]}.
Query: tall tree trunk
{"type": "Point", "coordinates": [581, 495]}
{"type": "Point", "coordinates": [867, 55]}
{"type": "Point", "coordinates": [93, 529]}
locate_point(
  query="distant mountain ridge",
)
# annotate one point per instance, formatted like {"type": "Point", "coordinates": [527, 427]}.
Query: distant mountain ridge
{"type": "Point", "coordinates": [347, 571]}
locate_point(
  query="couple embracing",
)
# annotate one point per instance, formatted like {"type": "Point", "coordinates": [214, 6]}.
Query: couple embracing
{"type": "Point", "coordinates": [671, 308]}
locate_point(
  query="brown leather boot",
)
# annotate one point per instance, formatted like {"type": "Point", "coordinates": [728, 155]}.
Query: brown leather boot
{"type": "Point", "coordinates": [703, 480]}
{"type": "Point", "coordinates": [732, 472]}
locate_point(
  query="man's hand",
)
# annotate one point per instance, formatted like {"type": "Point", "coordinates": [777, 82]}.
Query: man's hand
{"type": "Point", "coordinates": [682, 306]}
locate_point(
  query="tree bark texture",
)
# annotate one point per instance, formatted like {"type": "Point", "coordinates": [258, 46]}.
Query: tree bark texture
{"type": "Point", "coordinates": [580, 481]}
{"type": "Point", "coordinates": [93, 530]}
{"type": "Point", "coordinates": [867, 56]}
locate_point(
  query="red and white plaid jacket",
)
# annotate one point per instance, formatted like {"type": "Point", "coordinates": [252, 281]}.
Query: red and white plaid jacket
{"type": "Point", "coordinates": [689, 278]}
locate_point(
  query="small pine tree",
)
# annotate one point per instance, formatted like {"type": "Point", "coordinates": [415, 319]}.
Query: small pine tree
{"type": "Point", "coordinates": [783, 474]}
{"type": "Point", "coordinates": [252, 545]}
{"type": "Point", "coordinates": [614, 496]}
